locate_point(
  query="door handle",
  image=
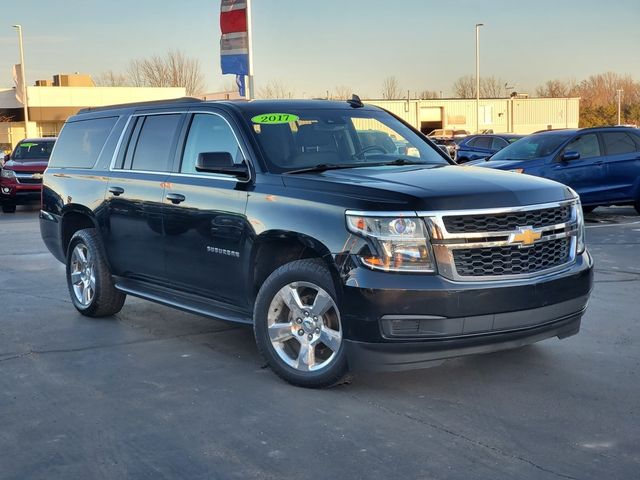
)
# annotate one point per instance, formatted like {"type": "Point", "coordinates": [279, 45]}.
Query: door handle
{"type": "Point", "coordinates": [116, 191]}
{"type": "Point", "coordinates": [176, 198]}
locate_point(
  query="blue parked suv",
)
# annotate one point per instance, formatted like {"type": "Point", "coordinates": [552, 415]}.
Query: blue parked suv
{"type": "Point", "coordinates": [602, 164]}
{"type": "Point", "coordinates": [476, 147]}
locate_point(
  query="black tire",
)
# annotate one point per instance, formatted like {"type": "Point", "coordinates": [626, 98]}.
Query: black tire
{"type": "Point", "coordinates": [589, 208]}
{"type": "Point", "coordinates": [308, 271]}
{"type": "Point", "coordinates": [8, 208]}
{"type": "Point", "coordinates": [106, 300]}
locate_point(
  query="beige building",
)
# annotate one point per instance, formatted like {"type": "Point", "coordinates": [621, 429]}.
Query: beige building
{"type": "Point", "coordinates": [50, 106]}
{"type": "Point", "coordinates": [516, 115]}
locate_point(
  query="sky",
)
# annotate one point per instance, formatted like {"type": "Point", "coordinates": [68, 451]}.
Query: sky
{"type": "Point", "coordinates": [315, 46]}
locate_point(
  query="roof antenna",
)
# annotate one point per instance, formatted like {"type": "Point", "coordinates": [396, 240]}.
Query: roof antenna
{"type": "Point", "coordinates": [355, 101]}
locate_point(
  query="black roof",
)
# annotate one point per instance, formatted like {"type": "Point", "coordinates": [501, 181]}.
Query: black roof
{"type": "Point", "coordinates": [251, 106]}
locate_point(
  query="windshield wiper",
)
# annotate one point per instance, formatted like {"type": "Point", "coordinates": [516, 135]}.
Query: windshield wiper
{"type": "Point", "coordinates": [333, 166]}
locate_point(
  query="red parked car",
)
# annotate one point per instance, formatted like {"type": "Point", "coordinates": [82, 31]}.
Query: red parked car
{"type": "Point", "coordinates": [21, 172]}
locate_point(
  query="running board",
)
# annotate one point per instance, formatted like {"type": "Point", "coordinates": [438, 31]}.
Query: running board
{"type": "Point", "coordinates": [187, 302]}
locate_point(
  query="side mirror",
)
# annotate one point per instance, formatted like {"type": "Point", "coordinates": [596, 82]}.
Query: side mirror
{"type": "Point", "coordinates": [6, 158]}
{"type": "Point", "coordinates": [572, 155]}
{"type": "Point", "coordinates": [221, 162]}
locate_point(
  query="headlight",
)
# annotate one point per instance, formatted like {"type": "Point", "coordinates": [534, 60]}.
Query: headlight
{"type": "Point", "coordinates": [7, 173]}
{"type": "Point", "coordinates": [400, 243]}
{"type": "Point", "coordinates": [580, 245]}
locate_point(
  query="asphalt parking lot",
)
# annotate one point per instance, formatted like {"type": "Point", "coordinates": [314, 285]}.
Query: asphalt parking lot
{"type": "Point", "coordinates": [156, 393]}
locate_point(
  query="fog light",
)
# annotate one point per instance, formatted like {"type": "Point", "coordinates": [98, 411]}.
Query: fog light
{"type": "Point", "coordinates": [6, 190]}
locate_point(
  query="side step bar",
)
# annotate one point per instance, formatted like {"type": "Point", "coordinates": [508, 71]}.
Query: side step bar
{"type": "Point", "coordinates": [187, 302]}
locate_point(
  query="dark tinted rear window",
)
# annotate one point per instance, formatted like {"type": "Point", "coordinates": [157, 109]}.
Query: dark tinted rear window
{"type": "Point", "coordinates": [80, 143]}
{"type": "Point", "coordinates": [153, 151]}
{"type": "Point", "coordinates": [617, 143]}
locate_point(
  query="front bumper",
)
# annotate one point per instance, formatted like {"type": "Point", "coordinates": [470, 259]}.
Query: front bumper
{"type": "Point", "coordinates": [393, 321]}
{"type": "Point", "coordinates": [17, 193]}
{"type": "Point", "coordinates": [364, 356]}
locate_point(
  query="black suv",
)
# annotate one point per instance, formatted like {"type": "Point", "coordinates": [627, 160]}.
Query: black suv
{"type": "Point", "coordinates": [342, 255]}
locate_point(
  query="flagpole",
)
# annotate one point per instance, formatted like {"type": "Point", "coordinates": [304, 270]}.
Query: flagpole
{"type": "Point", "coordinates": [25, 105]}
{"type": "Point", "coordinates": [250, 51]}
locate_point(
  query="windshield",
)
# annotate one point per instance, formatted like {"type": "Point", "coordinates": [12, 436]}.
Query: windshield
{"type": "Point", "coordinates": [533, 146]}
{"type": "Point", "coordinates": [33, 151]}
{"type": "Point", "coordinates": [301, 138]}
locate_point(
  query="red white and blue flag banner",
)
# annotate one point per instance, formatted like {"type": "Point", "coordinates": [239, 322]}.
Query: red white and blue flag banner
{"type": "Point", "coordinates": [234, 43]}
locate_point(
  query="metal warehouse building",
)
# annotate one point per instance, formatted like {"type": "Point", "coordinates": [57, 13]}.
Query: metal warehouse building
{"type": "Point", "coordinates": [515, 115]}
{"type": "Point", "coordinates": [50, 105]}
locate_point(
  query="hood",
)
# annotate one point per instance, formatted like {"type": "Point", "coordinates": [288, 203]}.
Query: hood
{"type": "Point", "coordinates": [501, 164]}
{"type": "Point", "coordinates": [437, 187]}
{"type": "Point", "coordinates": [35, 165]}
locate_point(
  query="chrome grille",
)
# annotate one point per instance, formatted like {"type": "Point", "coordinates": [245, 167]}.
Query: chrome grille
{"type": "Point", "coordinates": [507, 221]}
{"type": "Point", "coordinates": [512, 260]}
{"type": "Point", "coordinates": [503, 243]}
{"type": "Point", "coordinates": [27, 178]}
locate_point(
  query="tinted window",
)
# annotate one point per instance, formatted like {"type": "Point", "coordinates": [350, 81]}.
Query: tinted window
{"type": "Point", "coordinates": [616, 143]}
{"type": "Point", "coordinates": [36, 150]}
{"type": "Point", "coordinates": [153, 150]}
{"type": "Point", "coordinates": [208, 133]}
{"type": "Point", "coordinates": [80, 143]}
{"type": "Point", "coordinates": [587, 146]}
{"type": "Point", "coordinates": [498, 143]}
{"type": "Point", "coordinates": [533, 146]}
{"type": "Point", "coordinates": [482, 142]}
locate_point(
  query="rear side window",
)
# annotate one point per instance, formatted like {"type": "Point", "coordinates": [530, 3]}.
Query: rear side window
{"type": "Point", "coordinates": [153, 149]}
{"type": "Point", "coordinates": [617, 143]}
{"type": "Point", "coordinates": [498, 143]}
{"type": "Point", "coordinates": [80, 143]}
{"type": "Point", "coordinates": [587, 146]}
{"type": "Point", "coordinates": [482, 142]}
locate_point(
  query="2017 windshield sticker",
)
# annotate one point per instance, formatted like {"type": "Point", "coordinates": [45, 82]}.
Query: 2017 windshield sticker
{"type": "Point", "coordinates": [28, 145]}
{"type": "Point", "coordinates": [274, 118]}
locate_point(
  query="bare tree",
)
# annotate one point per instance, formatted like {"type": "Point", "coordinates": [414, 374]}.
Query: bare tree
{"type": "Point", "coordinates": [342, 92]}
{"type": "Point", "coordinates": [112, 79]}
{"type": "Point", "coordinates": [428, 95]}
{"type": "Point", "coordinates": [491, 87]}
{"type": "Point", "coordinates": [275, 89]}
{"type": "Point", "coordinates": [465, 87]}
{"type": "Point", "coordinates": [554, 89]}
{"type": "Point", "coordinates": [601, 90]}
{"type": "Point", "coordinates": [391, 89]}
{"type": "Point", "coordinates": [134, 72]}
{"type": "Point", "coordinates": [174, 69]}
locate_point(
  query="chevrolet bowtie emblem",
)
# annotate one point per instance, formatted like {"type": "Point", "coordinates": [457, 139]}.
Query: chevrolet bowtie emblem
{"type": "Point", "coordinates": [524, 237]}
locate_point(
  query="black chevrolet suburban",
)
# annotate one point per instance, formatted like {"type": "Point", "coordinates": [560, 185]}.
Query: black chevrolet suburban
{"type": "Point", "coordinates": [342, 253]}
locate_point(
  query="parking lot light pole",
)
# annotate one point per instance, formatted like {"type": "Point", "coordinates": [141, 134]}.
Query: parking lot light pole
{"type": "Point", "coordinates": [478, 25]}
{"type": "Point", "coordinates": [619, 102]}
{"type": "Point", "coordinates": [25, 106]}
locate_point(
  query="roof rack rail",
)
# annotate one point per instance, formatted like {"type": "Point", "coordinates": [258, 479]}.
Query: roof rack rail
{"type": "Point", "coordinates": [606, 126]}
{"type": "Point", "coordinates": [142, 104]}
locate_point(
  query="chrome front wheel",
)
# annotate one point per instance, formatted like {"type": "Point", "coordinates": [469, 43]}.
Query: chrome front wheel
{"type": "Point", "coordinates": [298, 326]}
{"type": "Point", "coordinates": [304, 326]}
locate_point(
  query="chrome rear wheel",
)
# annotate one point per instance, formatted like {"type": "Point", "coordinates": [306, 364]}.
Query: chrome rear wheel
{"type": "Point", "coordinates": [83, 279]}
